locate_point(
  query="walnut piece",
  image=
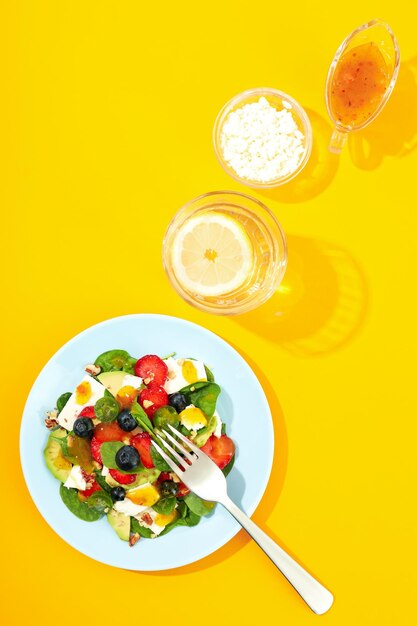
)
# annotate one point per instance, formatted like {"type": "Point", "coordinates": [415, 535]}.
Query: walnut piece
{"type": "Point", "coordinates": [50, 423]}
{"type": "Point", "coordinates": [92, 369]}
{"type": "Point", "coordinates": [146, 519]}
{"type": "Point", "coordinates": [134, 539]}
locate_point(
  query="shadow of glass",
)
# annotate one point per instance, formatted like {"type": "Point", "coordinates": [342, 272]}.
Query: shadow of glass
{"type": "Point", "coordinates": [272, 492]}
{"type": "Point", "coordinates": [317, 174]}
{"type": "Point", "coordinates": [320, 305]}
{"type": "Point", "coordinates": [394, 132]}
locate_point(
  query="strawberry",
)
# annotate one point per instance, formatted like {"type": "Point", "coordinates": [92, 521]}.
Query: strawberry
{"type": "Point", "coordinates": [95, 445]}
{"type": "Point", "coordinates": [182, 490]}
{"type": "Point", "coordinates": [153, 398]}
{"type": "Point", "coordinates": [152, 369]}
{"type": "Point", "coordinates": [87, 411]}
{"type": "Point", "coordinates": [88, 492]}
{"type": "Point", "coordinates": [142, 443]}
{"type": "Point", "coordinates": [123, 479]}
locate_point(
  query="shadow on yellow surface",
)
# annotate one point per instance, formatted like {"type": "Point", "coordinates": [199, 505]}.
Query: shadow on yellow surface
{"type": "Point", "coordinates": [273, 490]}
{"type": "Point", "coordinates": [317, 174]}
{"type": "Point", "coordinates": [320, 305]}
{"type": "Point", "coordinates": [394, 132]}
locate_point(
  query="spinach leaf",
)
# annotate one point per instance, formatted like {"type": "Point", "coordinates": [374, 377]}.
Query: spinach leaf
{"type": "Point", "coordinates": [135, 527]}
{"type": "Point", "coordinates": [70, 498]}
{"type": "Point", "coordinates": [61, 437]}
{"type": "Point", "coordinates": [191, 518]}
{"type": "Point", "coordinates": [193, 387]}
{"type": "Point", "coordinates": [206, 398]}
{"type": "Point", "coordinates": [165, 506]}
{"type": "Point", "coordinates": [116, 360]}
{"type": "Point", "coordinates": [223, 428]}
{"type": "Point", "coordinates": [62, 400]}
{"type": "Point", "coordinates": [102, 481]}
{"type": "Point", "coordinates": [159, 462]}
{"type": "Point", "coordinates": [141, 418]}
{"type": "Point", "coordinates": [209, 374]}
{"type": "Point", "coordinates": [197, 505]}
{"type": "Point", "coordinates": [100, 501]}
{"type": "Point", "coordinates": [229, 466]}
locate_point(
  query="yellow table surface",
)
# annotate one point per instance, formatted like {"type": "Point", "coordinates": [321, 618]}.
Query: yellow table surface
{"type": "Point", "coordinates": [106, 115]}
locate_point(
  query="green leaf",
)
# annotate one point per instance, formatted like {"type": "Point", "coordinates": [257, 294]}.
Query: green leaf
{"type": "Point", "coordinates": [106, 409]}
{"type": "Point", "coordinates": [209, 374]}
{"type": "Point", "coordinates": [141, 418]}
{"type": "Point", "coordinates": [63, 442]}
{"type": "Point", "coordinates": [197, 505]}
{"type": "Point", "coordinates": [226, 470]}
{"type": "Point", "coordinates": [165, 506]}
{"type": "Point", "coordinates": [62, 400]}
{"type": "Point", "coordinates": [206, 398]}
{"type": "Point", "coordinates": [223, 428]}
{"type": "Point", "coordinates": [101, 480]}
{"type": "Point", "coordinates": [168, 356]}
{"type": "Point", "coordinates": [135, 527]}
{"type": "Point", "coordinates": [159, 462]}
{"type": "Point", "coordinates": [115, 360]}
{"type": "Point", "coordinates": [193, 387]}
{"type": "Point", "coordinates": [185, 518]}
{"type": "Point", "coordinates": [70, 498]}
{"type": "Point", "coordinates": [100, 501]}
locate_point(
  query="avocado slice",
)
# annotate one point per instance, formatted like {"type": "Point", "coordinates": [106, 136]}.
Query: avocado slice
{"type": "Point", "coordinates": [121, 524]}
{"type": "Point", "coordinates": [112, 381]}
{"type": "Point", "coordinates": [55, 461]}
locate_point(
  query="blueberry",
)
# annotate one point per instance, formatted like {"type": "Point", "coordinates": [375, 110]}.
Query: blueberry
{"type": "Point", "coordinates": [117, 494]}
{"type": "Point", "coordinates": [178, 401]}
{"type": "Point", "coordinates": [83, 427]}
{"type": "Point", "coordinates": [127, 458]}
{"type": "Point", "coordinates": [126, 421]}
{"type": "Point", "coordinates": [168, 488]}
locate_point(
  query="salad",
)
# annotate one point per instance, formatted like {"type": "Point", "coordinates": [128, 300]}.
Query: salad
{"type": "Point", "coordinates": [100, 441]}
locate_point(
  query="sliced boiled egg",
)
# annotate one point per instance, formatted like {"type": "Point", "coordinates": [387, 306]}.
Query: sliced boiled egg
{"type": "Point", "coordinates": [86, 394]}
{"type": "Point", "coordinates": [156, 522]}
{"type": "Point", "coordinates": [183, 372]}
{"type": "Point", "coordinates": [145, 495]}
{"type": "Point", "coordinates": [193, 418]}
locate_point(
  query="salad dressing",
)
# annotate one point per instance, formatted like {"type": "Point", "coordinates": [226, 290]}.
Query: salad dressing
{"type": "Point", "coordinates": [359, 84]}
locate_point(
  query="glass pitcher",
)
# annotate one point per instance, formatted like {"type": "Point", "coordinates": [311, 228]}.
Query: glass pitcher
{"type": "Point", "coordinates": [361, 78]}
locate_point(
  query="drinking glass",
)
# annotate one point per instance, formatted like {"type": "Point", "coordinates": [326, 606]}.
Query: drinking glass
{"type": "Point", "coordinates": [267, 241]}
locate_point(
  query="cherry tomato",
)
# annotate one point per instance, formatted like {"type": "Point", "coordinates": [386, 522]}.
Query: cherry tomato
{"type": "Point", "coordinates": [109, 431]}
{"type": "Point", "coordinates": [219, 449]}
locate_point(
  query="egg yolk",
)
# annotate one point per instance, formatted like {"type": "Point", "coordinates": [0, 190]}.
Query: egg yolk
{"type": "Point", "coordinates": [191, 416]}
{"type": "Point", "coordinates": [83, 392]}
{"type": "Point", "coordinates": [164, 520]}
{"type": "Point", "coordinates": [144, 496]}
{"type": "Point", "coordinates": [126, 396]}
{"type": "Point", "coordinates": [189, 372]}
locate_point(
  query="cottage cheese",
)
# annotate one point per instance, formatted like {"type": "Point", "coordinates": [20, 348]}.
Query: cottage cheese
{"type": "Point", "coordinates": [261, 143]}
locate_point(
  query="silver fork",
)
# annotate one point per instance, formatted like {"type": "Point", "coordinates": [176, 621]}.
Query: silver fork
{"type": "Point", "coordinates": [204, 478]}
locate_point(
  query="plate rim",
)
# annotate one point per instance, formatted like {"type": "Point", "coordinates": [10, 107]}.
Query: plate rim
{"type": "Point", "coordinates": [199, 554]}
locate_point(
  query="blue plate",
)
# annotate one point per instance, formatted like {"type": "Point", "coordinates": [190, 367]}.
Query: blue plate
{"type": "Point", "coordinates": [242, 405]}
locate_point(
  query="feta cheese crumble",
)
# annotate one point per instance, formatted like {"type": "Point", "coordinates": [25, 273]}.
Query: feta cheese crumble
{"type": "Point", "coordinates": [261, 143]}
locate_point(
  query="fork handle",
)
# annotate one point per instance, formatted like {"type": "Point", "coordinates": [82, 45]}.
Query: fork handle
{"type": "Point", "coordinates": [318, 598]}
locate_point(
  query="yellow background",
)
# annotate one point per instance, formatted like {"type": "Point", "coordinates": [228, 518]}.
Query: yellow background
{"type": "Point", "coordinates": [106, 115]}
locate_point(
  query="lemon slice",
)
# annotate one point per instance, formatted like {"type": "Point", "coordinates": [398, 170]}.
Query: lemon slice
{"type": "Point", "coordinates": [212, 255]}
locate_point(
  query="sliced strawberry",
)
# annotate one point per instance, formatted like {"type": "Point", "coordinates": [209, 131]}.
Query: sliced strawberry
{"type": "Point", "coordinates": [182, 490]}
{"type": "Point", "coordinates": [219, 449]}
{"type": "Point", "coordinates": [109, 431]}
{"type": "Point", "coordinates": [142, 442]}
{"type": "Point", "coordinates": [87, 492]}
{"type": "Point", "coordinates": [152, 369]}
{"type": "Point", "coordinates": [164, 476]}
{"type": "Point", "coordinates": [95, 445]}
{"type": "Point", "coordinates": [123, 479]}
{"type": "Point", "coordinates": [87, 411]}
{"type": "Point", "coordinates": [153, 398]}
